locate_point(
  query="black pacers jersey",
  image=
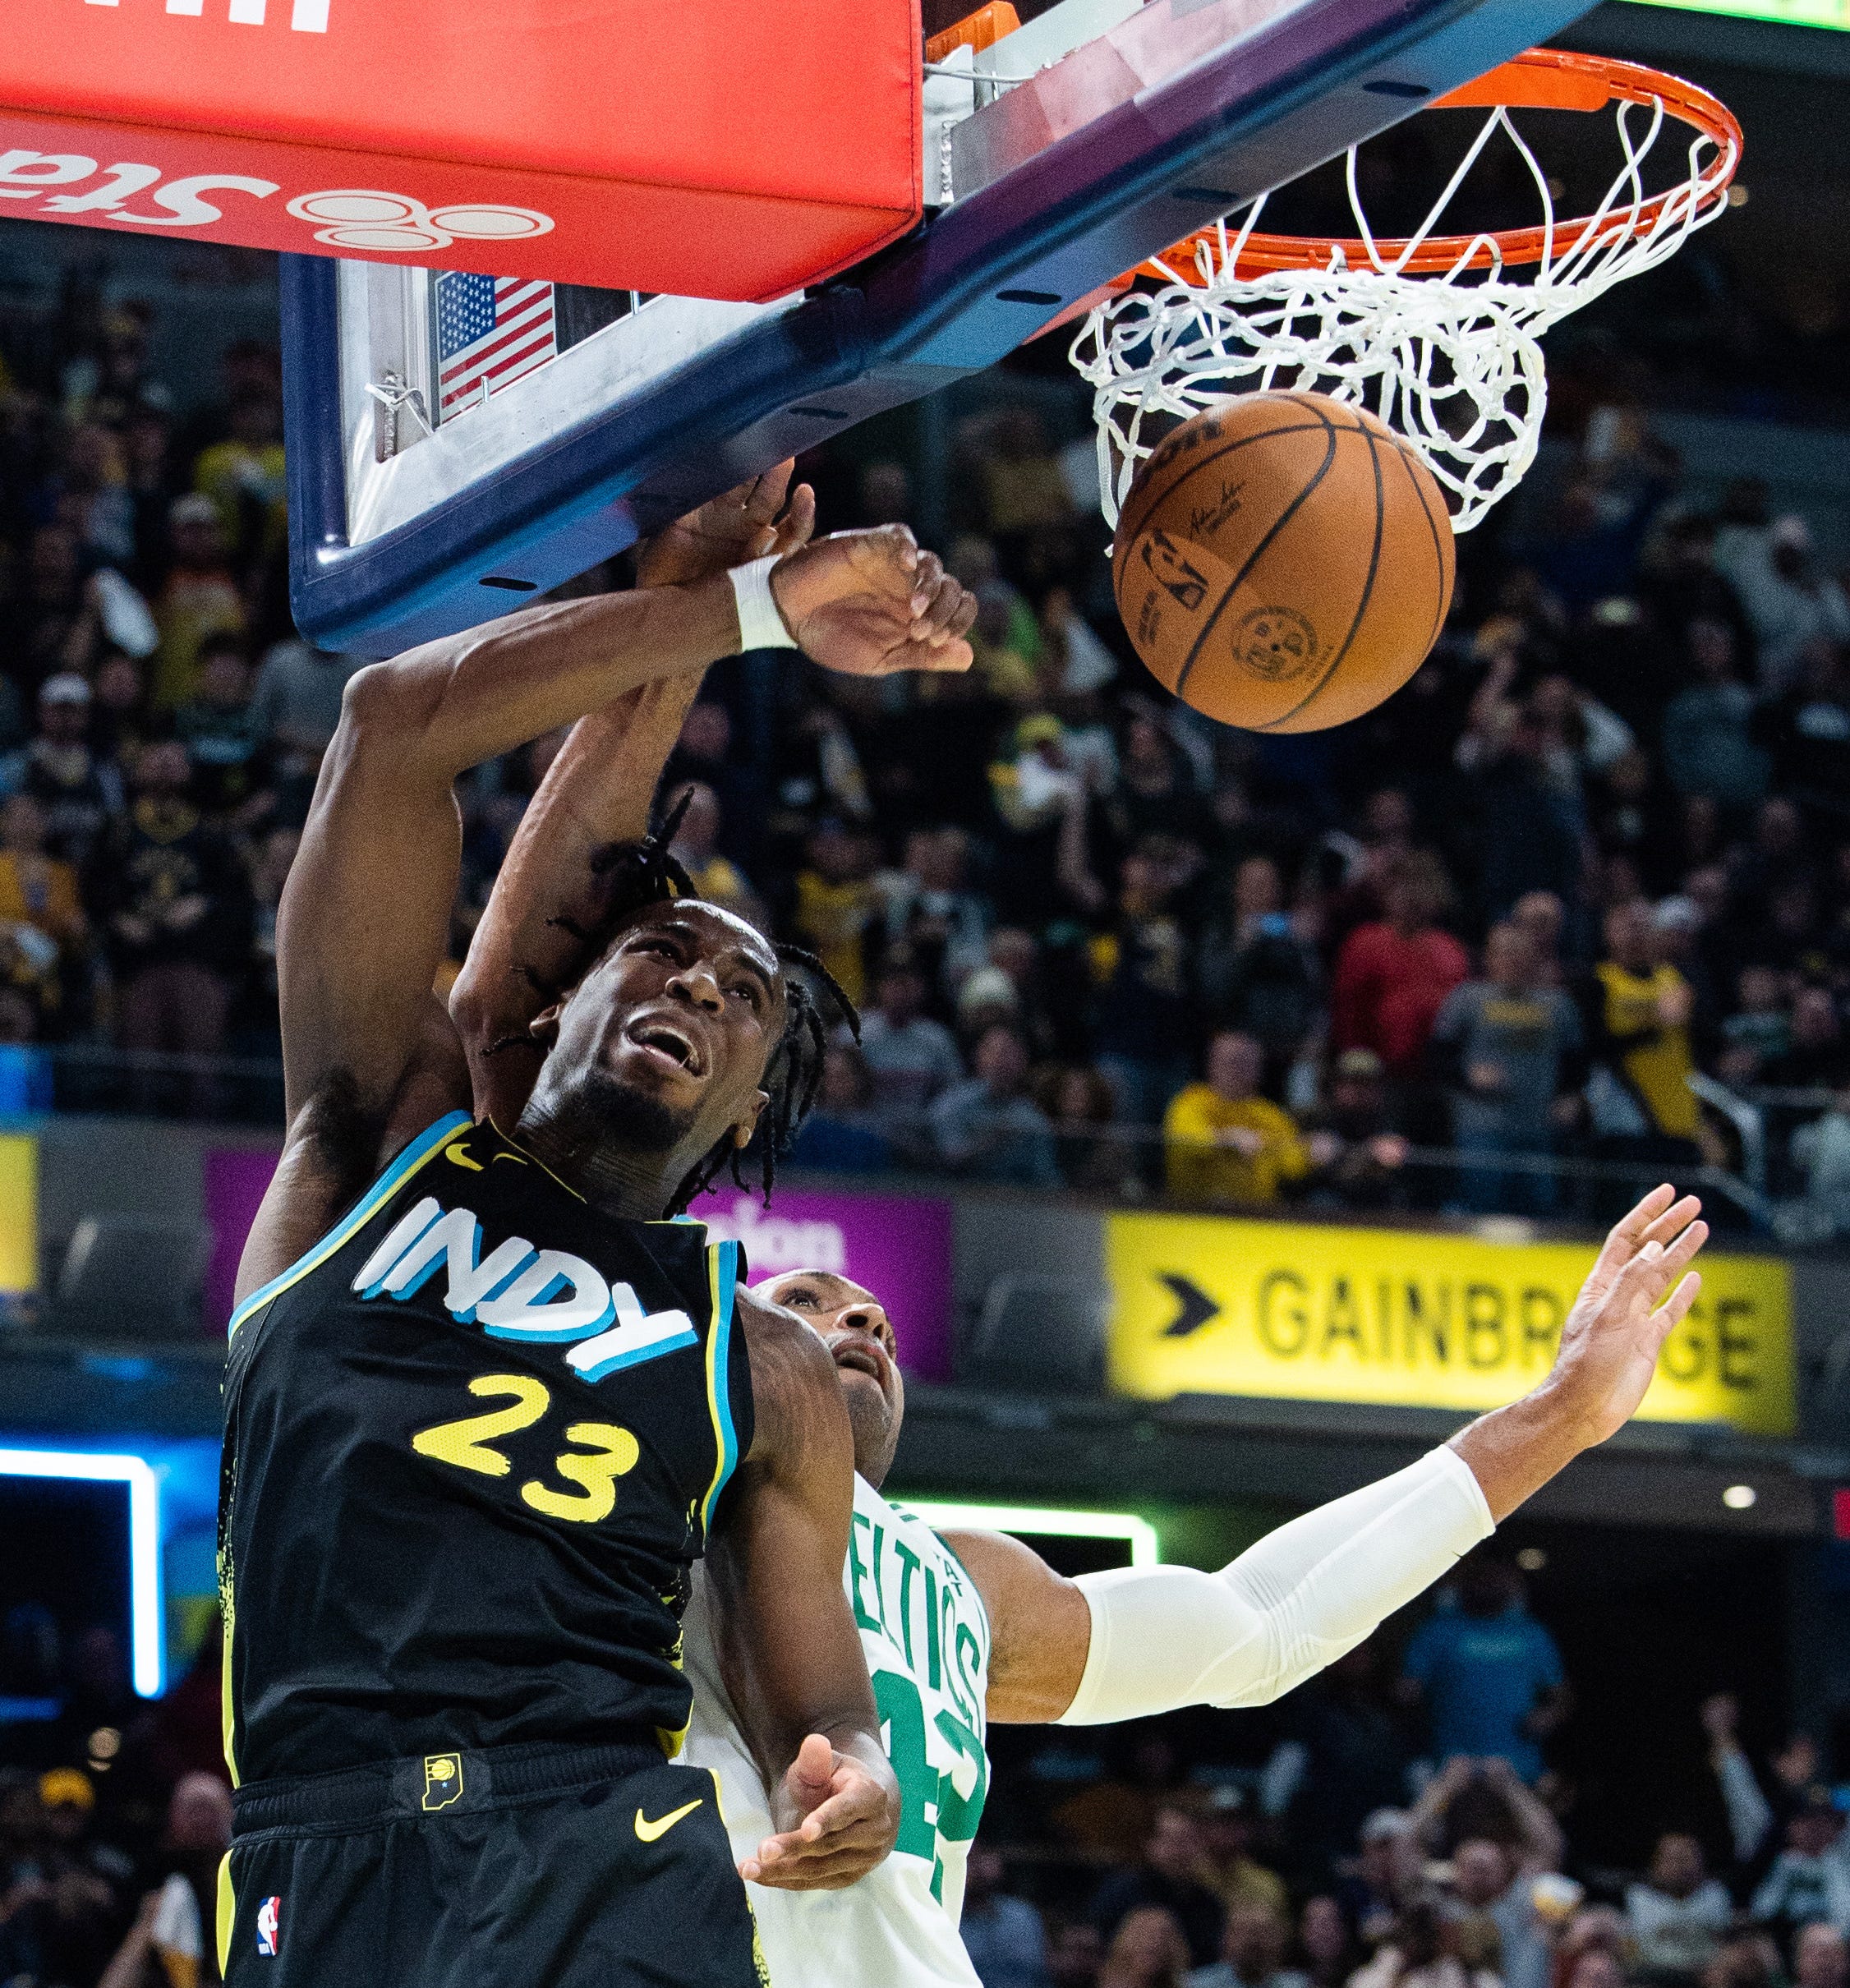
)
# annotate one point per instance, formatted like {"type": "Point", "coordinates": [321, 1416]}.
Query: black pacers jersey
{"type": "Point", "coordinates": [473, 1441]}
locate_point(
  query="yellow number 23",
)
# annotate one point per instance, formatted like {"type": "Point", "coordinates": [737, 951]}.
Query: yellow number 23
{"type": "Point", "coordinates": [605, 1453]}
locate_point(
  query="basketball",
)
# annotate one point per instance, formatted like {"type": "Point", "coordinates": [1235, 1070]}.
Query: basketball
{"type": "Point", "coordinates": [1283, 563]}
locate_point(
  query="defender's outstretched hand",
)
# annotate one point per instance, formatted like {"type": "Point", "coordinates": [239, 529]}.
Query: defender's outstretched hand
{"type": "Point", "coordinates": [870, 603]}
{"type": "Point", "coordinates": [841, 1814]}
{"type": "Point", "coordinates": [1638, 1292]}
{"type": "Point", "coordinates": [749, 522]}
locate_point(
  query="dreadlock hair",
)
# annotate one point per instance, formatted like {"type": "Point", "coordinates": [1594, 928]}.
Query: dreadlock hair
{"type": "Point", "coordinates": [633, 876]}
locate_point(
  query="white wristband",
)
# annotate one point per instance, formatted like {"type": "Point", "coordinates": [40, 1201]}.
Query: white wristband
{"type": "Point", "coordinates": [761, 626]}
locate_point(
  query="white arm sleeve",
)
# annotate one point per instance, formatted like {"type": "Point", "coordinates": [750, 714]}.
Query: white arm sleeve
{"type": "Point", "coordinates": [1163, 1637]}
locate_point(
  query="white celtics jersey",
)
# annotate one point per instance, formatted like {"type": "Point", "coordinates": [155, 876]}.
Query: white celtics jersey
{"type": "Point", "coordinates": [926, 1639]}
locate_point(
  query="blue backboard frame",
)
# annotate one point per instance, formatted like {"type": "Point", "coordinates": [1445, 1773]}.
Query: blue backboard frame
{"type": "Point", "coordinates": [965, 289]}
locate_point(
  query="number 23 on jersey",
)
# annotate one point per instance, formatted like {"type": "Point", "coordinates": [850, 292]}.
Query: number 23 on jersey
{"type": "Point", "coordinates": [602, 1452]}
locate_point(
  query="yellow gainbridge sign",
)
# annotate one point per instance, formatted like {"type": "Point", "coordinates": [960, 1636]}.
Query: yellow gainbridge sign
{"type": "Point", "coordinates": [19, 1212]}
{"type": "Point", "coordinates": [1205, 1305]}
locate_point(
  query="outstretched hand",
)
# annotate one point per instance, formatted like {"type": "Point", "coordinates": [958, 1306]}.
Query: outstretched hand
{"type": "Point", "coordinates": [1638, 1292]}
{"type": "Point", "coordinates": [870, 603]}
{"type": "Point", "coordinates": [840, 1815]}
{"type": "Point", "coordinates": [753, 519]}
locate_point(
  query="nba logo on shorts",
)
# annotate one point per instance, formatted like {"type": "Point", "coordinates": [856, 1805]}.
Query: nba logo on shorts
{"type": "Point", "coordinates": [267, 1914]}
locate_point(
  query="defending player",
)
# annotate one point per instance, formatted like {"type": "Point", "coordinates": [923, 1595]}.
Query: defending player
{"type": "Point", "coordinates": [974, 1627]}
{"type": "Point", "coordinates": [482, 1416]}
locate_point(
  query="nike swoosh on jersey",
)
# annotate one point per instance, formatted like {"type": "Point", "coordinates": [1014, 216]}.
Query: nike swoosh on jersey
{"type": "Point", "coordinates": [457, 1157]}
{"type": "Point", "coordinates": [648, 1831]}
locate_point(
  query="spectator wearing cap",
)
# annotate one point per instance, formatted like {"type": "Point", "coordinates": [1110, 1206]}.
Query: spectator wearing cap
{"type": "Point", "coordinates": [80, 793]}
{"type": "Point", "coordinates": [1221, 1141]}
{"type": "Point", "coordinates": [1677, 1911]}
{"type": "Point", "coordinates": [1228, 1867]}
{"type": "Point", "coordinates": [1358, 1159]}
{"type": "Point", "coordinates": [75, 1904]}
{"type": "Point", "coordinates": [198, 598]}
{"type": "Point", "coordinates": [912, 1059]}
{"type": "Point", "coordinates": [1508, 1050]}
{"type": "Point", "coordinates": [1810, 1878]}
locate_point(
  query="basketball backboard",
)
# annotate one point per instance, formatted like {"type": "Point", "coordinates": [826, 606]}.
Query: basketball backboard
{"type": "Point", "coordinates": [410, 520]}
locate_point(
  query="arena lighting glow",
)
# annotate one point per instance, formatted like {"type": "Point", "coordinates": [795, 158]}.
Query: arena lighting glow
{"type": "Point", "coordinates": [144, 1540]}
{"type": "Point", "coordinates": [1740, 1498]}
{"type": "Point", "coordinates": [1138, 1534]}
{"type": "Point", "coordinates": [1790, 13]}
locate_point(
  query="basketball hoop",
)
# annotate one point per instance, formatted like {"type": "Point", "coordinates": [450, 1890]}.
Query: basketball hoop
{"type": "Point", "coordinates": [1438, 334]}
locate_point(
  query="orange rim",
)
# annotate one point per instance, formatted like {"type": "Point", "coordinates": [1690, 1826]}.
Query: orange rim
{"type": "Point", "coordinates": [1544, 79]}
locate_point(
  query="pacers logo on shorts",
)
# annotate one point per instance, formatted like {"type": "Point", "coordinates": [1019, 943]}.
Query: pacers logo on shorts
{"type": "Point", "coordinates": [269, 1913]}
{"type": "Point", "coordinates": [443, 1780]}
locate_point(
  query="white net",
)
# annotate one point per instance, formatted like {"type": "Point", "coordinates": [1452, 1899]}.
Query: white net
{"type": "Point", "coordinates": [1450, 359]}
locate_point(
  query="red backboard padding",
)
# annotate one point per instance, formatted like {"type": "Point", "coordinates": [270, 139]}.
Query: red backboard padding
{"type": "Point", "coordinates": [711, 148]}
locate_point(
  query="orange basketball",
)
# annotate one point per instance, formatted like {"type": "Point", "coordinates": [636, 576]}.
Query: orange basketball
{"type": "Point", "coordinates": [1283, 563]}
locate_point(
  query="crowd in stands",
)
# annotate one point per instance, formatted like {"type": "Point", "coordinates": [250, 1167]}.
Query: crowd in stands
{"type": "Point", "coordinates": [1572, 909]}
{"type": "Point", "coordinates": [1402, 1821]}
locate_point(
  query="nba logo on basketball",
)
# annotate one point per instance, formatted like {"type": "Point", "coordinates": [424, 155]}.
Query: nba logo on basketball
{"type": "Point", "coordinates": [267, 1914]}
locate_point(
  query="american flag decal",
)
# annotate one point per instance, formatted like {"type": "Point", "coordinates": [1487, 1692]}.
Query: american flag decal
{"type": "Point", "coordinates": [492, 330]}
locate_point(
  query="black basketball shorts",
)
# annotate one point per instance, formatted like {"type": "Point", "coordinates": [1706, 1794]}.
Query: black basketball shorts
{"type": "Point", "coordinates": [512, 1867]}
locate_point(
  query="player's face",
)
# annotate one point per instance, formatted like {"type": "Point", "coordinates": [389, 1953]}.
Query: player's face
{"type": "Point", "coordinates": [673, 1028]}
{"type": "Point", "coordinates": [852, 1324]}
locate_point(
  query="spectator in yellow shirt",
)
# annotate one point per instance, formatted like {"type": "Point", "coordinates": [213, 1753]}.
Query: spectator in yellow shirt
{"type": "Point", "coordinates": [837, 900]}
{"type": "Point", "coordinates": [1641, 1008]}
{"type": "Point", "coordinates": [1221, 1140]}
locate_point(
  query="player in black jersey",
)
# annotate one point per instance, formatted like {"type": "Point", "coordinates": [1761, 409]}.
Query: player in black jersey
{"type": "Point", "coordinates": [484, 1409]}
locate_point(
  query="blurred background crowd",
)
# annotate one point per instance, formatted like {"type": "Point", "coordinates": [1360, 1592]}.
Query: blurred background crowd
{"type": "Point", "coordinates": [1572, 909]}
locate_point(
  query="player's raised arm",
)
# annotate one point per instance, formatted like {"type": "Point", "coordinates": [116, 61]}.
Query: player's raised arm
{"type": "Point", "coordinates": [1139, 1641]}
{"type": "Point", "coordinates": [597, 791]}
{"type": "Point", "coordinates": [599, 788]}
{"type": "Point", "coordinates": [788, 1650]}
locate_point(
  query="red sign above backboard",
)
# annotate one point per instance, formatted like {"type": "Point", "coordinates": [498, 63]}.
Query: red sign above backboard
{"type": "Point", "coordinates": [721, 149]}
